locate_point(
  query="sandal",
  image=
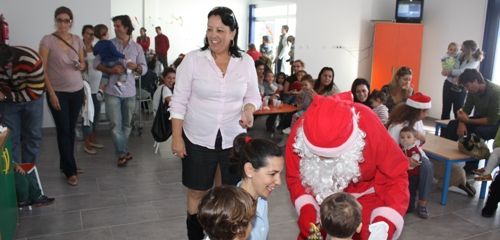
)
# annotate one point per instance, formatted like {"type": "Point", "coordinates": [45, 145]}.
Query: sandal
{"type": "Point", "coordinates": [128, 156]}
{"type": "Point", "coordinates": [122, 162]}
{"type": "Point", "coordinates": [486, 177]}
{"type": "Point", "coordinates": [73, 180]}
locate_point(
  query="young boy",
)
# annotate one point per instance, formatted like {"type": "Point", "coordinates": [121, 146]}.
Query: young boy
{"type": "Point", "coordinates": [226, 213]}
{"type": "Point", "coordinates": [408, 143]}
{"type": "Point", "coordinates": [341, 216]}
{"type": "Point", "coordinates": [27, 190]}
{"type": "Point", "coordinates": [377, 99]}
{"type": "Point", "coordinates": [110, 57]}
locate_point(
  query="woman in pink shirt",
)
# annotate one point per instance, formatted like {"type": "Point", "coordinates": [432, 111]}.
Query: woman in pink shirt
{"type": "Point", "coordinates": [214, 99]}
{"type": "Point", "coordinates": [63, 61]}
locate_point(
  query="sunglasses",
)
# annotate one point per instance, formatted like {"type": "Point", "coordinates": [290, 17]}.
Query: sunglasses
{"type": "Point", "coordinates": [60, 20]}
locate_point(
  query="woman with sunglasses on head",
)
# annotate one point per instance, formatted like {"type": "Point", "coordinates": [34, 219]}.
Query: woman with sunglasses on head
{"type": "Point", "coordinates": [399, 89]}
{"type": "Point", "coordinates": [63, 59]}
{"type": "Point", "coordinates": [214, 99]}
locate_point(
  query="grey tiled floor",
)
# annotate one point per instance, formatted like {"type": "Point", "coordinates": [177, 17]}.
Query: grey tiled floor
{"type": "Point", "coordinates": [146, 200]}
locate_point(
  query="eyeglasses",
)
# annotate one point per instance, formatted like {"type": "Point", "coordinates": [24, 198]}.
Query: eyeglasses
{"type": "Point", "coordinates": [60, 20]}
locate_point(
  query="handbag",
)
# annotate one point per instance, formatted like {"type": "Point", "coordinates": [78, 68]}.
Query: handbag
{"type": "Point", "coordinates": [162, 127]}
{"type": "Point", "coordinates": [474, 146]}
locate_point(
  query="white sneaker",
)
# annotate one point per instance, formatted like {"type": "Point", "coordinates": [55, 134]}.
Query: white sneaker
{"type": "Point", "coordinates": [286, 130]}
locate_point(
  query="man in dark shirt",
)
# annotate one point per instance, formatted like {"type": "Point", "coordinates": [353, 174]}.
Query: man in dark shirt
{"type": "Point", "coordinates": [161, 47]}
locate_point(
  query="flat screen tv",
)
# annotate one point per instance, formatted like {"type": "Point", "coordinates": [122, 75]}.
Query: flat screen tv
{"type": "Point", "coordinates": [409, 11]}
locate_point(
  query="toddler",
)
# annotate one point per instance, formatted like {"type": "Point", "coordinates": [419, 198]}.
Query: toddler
{"type": "Point", "coordinates": [280, 82]}
{"type": "Point", "coordinates": [110, 57]}
{"type": "Point", "coordinates": [408, 143]}
{"type": "Point", "coordinates": [376, 100]}
{"type": "Point", "coordinates": [451, 58]}
{"type": "Point", "coordinates": [341, 216]}
{"type": "Point", "coordinates": [227, 212]}
{"type": "Point", "coordinates": [304, 97]}
{"type": "Point", "coordinates": [270, 86]}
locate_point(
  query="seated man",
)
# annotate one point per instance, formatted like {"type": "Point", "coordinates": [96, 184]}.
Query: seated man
{"type": "Point", "coordinates": [484, 97]}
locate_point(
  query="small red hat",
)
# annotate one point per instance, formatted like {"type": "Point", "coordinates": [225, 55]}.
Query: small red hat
{"type": "Point", "coordinates": [419, 101]}
{"type": "Point", "coordinates": [330, 124]}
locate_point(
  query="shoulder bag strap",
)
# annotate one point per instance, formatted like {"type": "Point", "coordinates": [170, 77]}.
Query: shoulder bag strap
{"type": "Point", "coordinates": [64, 41]}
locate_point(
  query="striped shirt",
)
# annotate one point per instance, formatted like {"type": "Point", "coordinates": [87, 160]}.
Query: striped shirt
{"type": "Point", "coordinates": [24, 81]}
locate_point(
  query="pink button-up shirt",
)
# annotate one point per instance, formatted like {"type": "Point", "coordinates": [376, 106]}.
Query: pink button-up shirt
{"type": "Point", "coordinates": [208, 101]}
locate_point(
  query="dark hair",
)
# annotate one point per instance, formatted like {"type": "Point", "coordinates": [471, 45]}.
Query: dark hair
{"type": "Point", "coordinates": [126, 22]}
{"type": "Point", "coordinates": [259, 63]}
{"type": "Point", "coordinates": [85, 27]}
{"type": "Point", "coordinates": [6, 54]}
{"type": "Point", "coordinates": [100, 30]}
{"type": "Point", "coordinates": [340, 215]}
{"type": "Point", "coordinates": [226, 211]}
{"type": "Point", "coordinates": [254, 151]}
{"type": "Point", "coordinates": [143, 29]}
{"type": "Point", "coordinates": [377, 94]}
{"type": "Point", "coordinates": [285, 27]}
{"type": "Point", "coordinates": [267, 71]}
{"type": "Point", "coordinates": [402, 113]}
{"type": "Point", "coordinates": [251, 46]}
{"type": "Point", "coordinates": [158, 27]}
{"type": "Point", "coordinates": [63, 9]}
{"type": "Point", "coordinates": [470, 75]}
{"type": "Point", "coordinates": [167, 71]}
{"type": "Point", "coordinates": [227, 17]}
{"type": "Point", "coordinates": [317, 84]}
{"type": "Point", "coordinates": [282, 74]}
{"type": "Point", "coordinates": [178, 61]}
{"type": "Point", "coordinates": [357, 82]}
{"type": "Point", "coordinates": [408, 129]}
{"type": "Point", "coordinates": [308, 78]}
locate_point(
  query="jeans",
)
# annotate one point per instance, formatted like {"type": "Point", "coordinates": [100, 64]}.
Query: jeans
{"type": "Point", "coordinates": [451, 98]}
{"type": "Point", "coordinates": [25, 123]}
{"type": "Point", "coordinates": [87, 130]}
{"type": "Point", "coordinates": [65, 120]}
{"type": "Point", "coordinates": [119, 111]}
{"type": "Point", "coordinates": [425, 176]}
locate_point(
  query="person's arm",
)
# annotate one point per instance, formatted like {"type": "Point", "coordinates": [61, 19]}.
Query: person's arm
{"type": "Point", "coordinates": [81, 56]}
{"type": "Point", "coordinates": [147, 43]}
{"type": "Point", "coordinates": [471, 64]}
{"type": "Point", "coordinates": [112, 48]}
{"type": "Point", "coordinates": [117, 69]}
{"type": "Point", "coordinates": [286, 87]}
{"type": "Point", "coordinates": [139, 65]}
{"type": "Point", "coordinates": [167, 44]}
{"type": "Point", "coordinates": [44, 54]}
{"type": "Point", "coordinates": [304, 202]}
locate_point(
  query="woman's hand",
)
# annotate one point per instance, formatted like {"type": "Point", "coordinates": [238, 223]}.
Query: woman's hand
{"type": "Point", "coordinates": [54, 101]}
{"type": "Point", "coordinates": [178, 147]}
{"type": "Point", "coordinates": [246, 120]}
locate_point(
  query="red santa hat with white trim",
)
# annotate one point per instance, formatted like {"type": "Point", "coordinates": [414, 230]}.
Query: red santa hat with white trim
{"type": "Point", "coordinates": [419, 101]}
{"type": "Point", "coordinates": [330, 125]}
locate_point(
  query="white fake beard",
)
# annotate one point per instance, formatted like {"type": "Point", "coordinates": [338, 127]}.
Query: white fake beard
{"type": "Point", "coordinates": [325, 177]}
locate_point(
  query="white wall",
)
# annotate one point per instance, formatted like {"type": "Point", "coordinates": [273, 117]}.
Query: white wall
{"type": "Point", "coordinates": [30, 20]}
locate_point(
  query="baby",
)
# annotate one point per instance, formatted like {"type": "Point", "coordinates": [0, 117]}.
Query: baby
{"type": "Point", "coordinates": [451, 58]}
{"type": "Point", "coordinates": [377, 99]}
{"type": "Point", "coordinates": [110, 57]}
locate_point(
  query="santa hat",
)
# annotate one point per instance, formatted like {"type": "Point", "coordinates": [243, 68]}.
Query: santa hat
{"type": "Point", "coordinates": [330, 125]}
{"type": "Point", "coordinates": [419, 101]}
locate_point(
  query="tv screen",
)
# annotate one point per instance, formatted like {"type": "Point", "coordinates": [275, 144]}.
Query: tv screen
{"type": "Point", "coordinates": [410, 11]}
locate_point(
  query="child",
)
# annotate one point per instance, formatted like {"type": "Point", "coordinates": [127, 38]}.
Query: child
{"type": "Point", "coordinates": [408, 143]}
{"type": "Point", "coordinates": [341, 216]}
{"type": "Point", "coordinates": [377, 99]}
{"type": "Point", "coordinates": [226, 213]}
{"type": "Point", "coordinates": [451, 58]}
{"type": "Point", "coordinates": [27, 190]}
{"type": "Point", "coordinates": [109, 57]}
{"type": "Point", "coordinates": [280, 81]}
{"type": "Point", "coordinates": [493, 161]}
{"type": "Point", "coordinates": [270, 86]}
{"type": "Point", "coordinates": [168, 78]}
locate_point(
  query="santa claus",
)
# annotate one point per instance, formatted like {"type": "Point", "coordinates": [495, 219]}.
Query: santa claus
{"type": "Point", "coordinates": [339, 145]}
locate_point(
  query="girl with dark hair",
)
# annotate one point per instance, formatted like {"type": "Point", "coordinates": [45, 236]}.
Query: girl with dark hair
{"type": "Point", "coordinates": [143, 40]}
{"type": "Point", "coordinates": [360, 89]}
{"type": "Point", "coordinates": [260, 162]}
{"type": "Point", "coordinates": [324, 85]}
{"type": "Point", "coordinates": [214, 99]}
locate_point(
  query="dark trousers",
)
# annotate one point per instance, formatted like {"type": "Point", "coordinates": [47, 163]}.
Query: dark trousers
{"type": "Point", "coordinates": [65, 121]}
{"type": "Point", "coordinates": [452, 97]}
{"type": "Point", "coordinates": [413, 181]}
{"type": "Point", "coordinates": [493, 197]}
{"type": "Point", "coordinates": [485, 132]}
{"type": "Point", "coordinates": [279, 63]}
{"type": "Point", "coordinates": [270, 122]}
{"type": "Point", "coordinates": [164, 61]}
{"type": "Point", "coordinates": [87, 130]}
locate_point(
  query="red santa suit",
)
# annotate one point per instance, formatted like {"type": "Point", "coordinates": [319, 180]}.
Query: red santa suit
{"type": "Point", "coordinates": [339, 145]}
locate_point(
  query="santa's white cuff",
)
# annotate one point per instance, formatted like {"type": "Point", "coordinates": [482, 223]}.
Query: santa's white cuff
{"type": "Point", "coordinates": [304, 200]}
{"type": "Point", "coordinates": [391, 215]}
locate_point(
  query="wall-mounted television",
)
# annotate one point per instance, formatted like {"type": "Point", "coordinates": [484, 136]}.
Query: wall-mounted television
{"type": "Point", "coordinates": [409, 11]}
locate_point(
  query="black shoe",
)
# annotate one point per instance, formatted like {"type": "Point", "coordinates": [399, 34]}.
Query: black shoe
{"type": "Point", "coordinates": [488, 212]}
{"type": "Point", "coordinates": [23, 204]}
{"type": "Point", "coordinates": [468, 189]}
{"type": "Point", "coordinates": [194, 228]}
{"type": "Point", "coordinates": [43, 201]}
